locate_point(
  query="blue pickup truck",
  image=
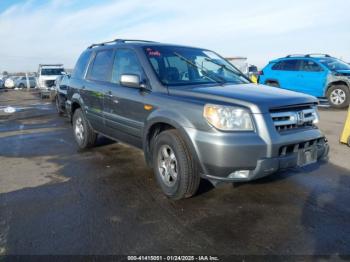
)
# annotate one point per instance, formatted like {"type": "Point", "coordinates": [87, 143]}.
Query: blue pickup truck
{"type": "Point", "coordinates": [318, 75]}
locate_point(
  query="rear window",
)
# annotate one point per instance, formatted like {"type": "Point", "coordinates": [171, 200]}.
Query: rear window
{"type": "Point", "coordinates": [81, 64]}
{"type": "Point", "coordinates": [51, 71]}
{"type": "Point", "coordinates": [101, 66]}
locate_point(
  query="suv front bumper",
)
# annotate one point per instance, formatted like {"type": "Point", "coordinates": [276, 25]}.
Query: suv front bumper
{"type": "Point", "coordinates": [222, 155]}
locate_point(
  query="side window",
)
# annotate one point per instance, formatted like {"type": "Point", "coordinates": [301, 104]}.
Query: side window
{"type": "Point", "coordinates": [101, 66]}
{"type": "Point", "coordinates": [81, 64]}
{"type": "Point", "coordinates": [125, 62]}
{"type": "Point", "coordinates": [155, 64]}
{"type": "Point", "coordinates": [291, 65]}
{"type": "Point", "coordinates": [310, 66]}
{"type": "Point", "coordinates": [287, 65]}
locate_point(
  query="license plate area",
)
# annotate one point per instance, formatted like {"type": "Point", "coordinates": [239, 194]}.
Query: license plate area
{"type": "Point", "coordinates": [307, 156]}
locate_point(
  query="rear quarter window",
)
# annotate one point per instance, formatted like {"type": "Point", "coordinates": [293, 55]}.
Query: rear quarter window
{"type": "Point", "coordinates": [287, 65]}
{"type": "Point", "coordinates": [81, 64]}
{"type": "Point", "coordinates": [277, 66]}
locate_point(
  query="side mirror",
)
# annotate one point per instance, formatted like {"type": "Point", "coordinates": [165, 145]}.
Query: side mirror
{"type": "Point", "coordinates": [130, 81]}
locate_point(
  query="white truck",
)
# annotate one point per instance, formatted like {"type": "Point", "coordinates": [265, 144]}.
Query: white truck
{"type": "Point", "coordinates": [47, 74]}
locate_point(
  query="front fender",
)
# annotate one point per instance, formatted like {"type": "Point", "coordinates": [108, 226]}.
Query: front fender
{"type": "Point", "coordinates": [75, 99]}
{"type": "Point", "coordinates": [178, 121]}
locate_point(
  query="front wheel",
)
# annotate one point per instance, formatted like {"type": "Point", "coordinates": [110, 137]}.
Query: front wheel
{"type": "Point", "coordinates": [83, 133]}
{"type": "Point", "coordinates": [338, 96]}
{"type": "Point", "coordinates": [174, 167]}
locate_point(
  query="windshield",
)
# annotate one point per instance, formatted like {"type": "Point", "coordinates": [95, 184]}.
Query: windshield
{"type": "Point", "coordinates": [177, 66]}
{"type": "Point", "coordinates": [335, 64]}
{"type": "Point", "coordinates": [51, 71]}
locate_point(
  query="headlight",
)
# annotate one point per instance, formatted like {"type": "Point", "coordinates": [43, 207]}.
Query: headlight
{"type": "Point", "coordinates": [316, 116]}
{"type": "Point", "coordinates": [228, 118]}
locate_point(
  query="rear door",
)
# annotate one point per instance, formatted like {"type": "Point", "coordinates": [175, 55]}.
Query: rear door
{"type": "Point", "coordinates": [312, 78]}
{"type": "Point", "coordinates": [124, 106]}
{"type": "Point", "coordinates": [286, 73]}
{"type": "Point", "coordinates": [96, 85]}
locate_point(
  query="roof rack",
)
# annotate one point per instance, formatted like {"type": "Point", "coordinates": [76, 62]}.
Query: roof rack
{"type": "Point", "coordinates": [317, 54]}
{"type": "Point", "coordinates": [120, 41]}
{"type": "Point", "coordinates": [295, 55]}
{"type": "Point", "coordinates": [308, 55]}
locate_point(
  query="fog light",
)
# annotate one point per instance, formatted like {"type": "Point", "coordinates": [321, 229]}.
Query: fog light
{"type": "Point", "coordinates": [240, 174]}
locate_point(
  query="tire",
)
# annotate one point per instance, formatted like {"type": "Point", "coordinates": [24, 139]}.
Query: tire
{"type": "Point", "coordinates": [21, 86]}
{"type": "Point", "coordinates": [179, 161]}
{"type": "Point", "coordinates": [338, 96]}
{"type": "Point", "coordinates": [83, 133]}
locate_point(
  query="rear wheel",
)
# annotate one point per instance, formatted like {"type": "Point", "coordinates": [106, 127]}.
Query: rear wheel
{"type": "Point", "coordinates": [174, 167]}
{"type": "Point", "coordinates": [83, 133]}
{"type": "Point", "coordinates": [338, 96]}
{"type": "Point", "coordinates": [21, 86]}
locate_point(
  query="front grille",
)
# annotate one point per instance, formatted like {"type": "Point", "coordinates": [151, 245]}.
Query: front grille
{"type": "Point", "coordinates": [294, 117]}
{"type": "Point", "coordinates": [49, 83]}
{"type": "Point", "coordinates": [293, 148]}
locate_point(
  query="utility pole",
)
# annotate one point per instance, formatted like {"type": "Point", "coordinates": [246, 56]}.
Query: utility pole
{"type": "Point", "coordinates": [28, 84]}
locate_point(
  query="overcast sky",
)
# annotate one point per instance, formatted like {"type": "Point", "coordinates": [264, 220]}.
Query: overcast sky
{"type": "Point", "coordinates": [57, 31]}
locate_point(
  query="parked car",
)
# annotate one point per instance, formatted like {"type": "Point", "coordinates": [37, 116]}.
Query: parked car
{"type": "Point", "coordinates": [322, 76]}
{"type": "Point", "coordinates": [192, 113]}
{"type": "Point", "coordinates": [61, 84]}
{"type": "Point", "coordinates": [21, 82]}
{"type": "Point", "coordinates": [47, 74]}
{"type": "Point", "coordinates": [1, 83]}
{"type": "Point", "coordinates": [10, 82]}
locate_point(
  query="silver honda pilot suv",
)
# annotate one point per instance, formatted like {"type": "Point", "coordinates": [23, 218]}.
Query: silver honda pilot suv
{"type": "Point", "coordinates": [192, 113]}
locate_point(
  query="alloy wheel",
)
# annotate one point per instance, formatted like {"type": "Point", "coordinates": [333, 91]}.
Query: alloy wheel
{"type": "Point", "coordinates": [167, 165]}
{"type": "Point", "coordinates": [338, 96]}
{"type": "Point", "coordinates": [79, 129]}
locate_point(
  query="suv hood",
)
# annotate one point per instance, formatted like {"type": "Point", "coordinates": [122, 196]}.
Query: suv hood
{"type": "Point", "coordinates": [259, 98]}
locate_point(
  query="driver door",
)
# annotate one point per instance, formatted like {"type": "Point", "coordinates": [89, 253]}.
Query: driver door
{"type": "Point", "coordinates": [124, 106]}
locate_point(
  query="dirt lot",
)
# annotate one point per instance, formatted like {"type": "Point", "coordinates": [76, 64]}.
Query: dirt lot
{"type": "Point", "coordinates": [55, 199]}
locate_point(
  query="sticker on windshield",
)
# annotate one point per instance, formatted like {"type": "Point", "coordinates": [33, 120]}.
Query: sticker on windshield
{"type": "Point", "coordinates": [153, 52]}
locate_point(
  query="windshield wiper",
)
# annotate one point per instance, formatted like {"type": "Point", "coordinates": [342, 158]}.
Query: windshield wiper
{"type": "Point", "coordinates": [202, 68]}
{"type": "Point", "coordinates": [227, 68]}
